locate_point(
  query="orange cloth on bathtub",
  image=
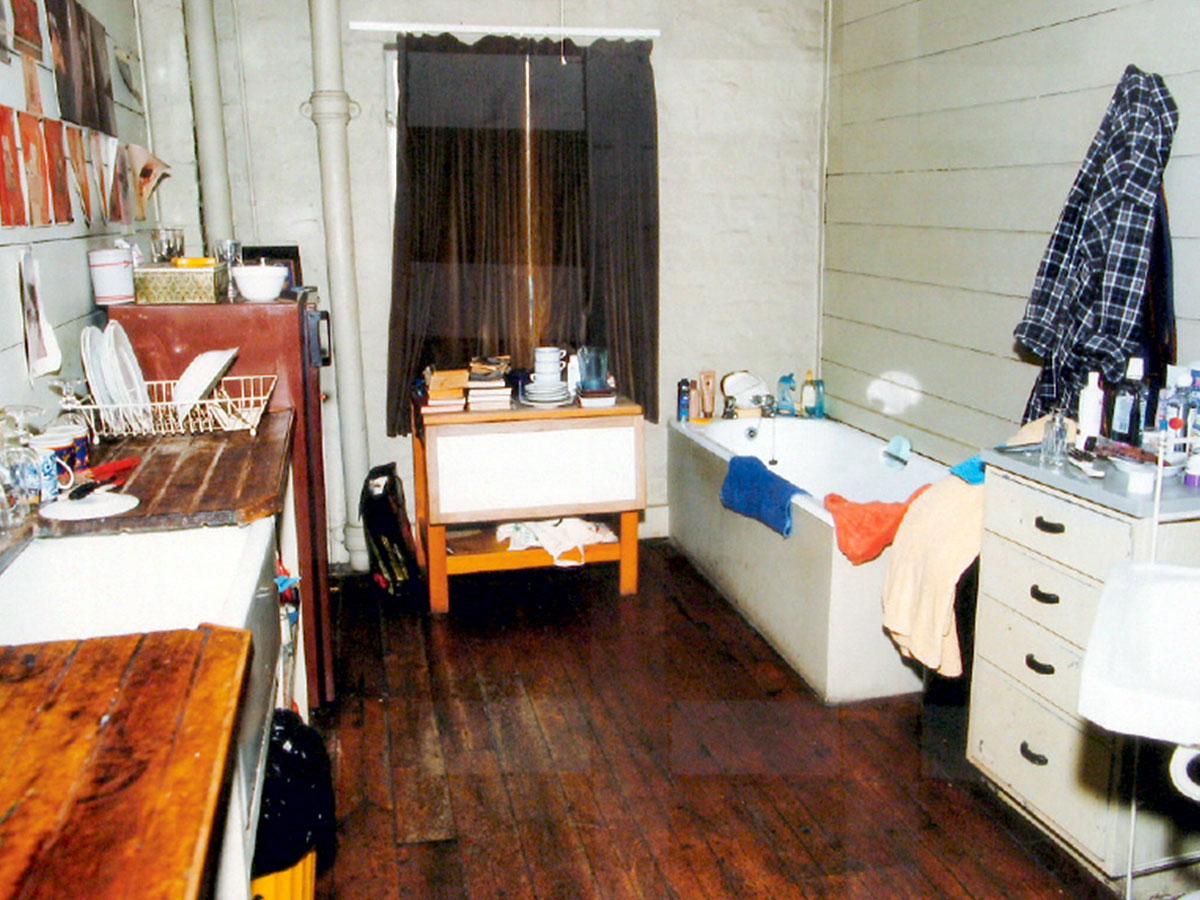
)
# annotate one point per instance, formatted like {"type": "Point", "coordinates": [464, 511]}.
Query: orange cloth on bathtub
{"type": "Point", "coordinates": [864, 529]}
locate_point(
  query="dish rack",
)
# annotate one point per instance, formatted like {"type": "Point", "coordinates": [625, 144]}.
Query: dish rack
{"type": "Point", "coordinates": [236, 403]}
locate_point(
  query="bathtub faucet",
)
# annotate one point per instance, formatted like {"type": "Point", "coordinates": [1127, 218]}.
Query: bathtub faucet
{"type": "Point", "coordinates": [730, 411]}
{"type": "Point", "coordinates": [768, 406]}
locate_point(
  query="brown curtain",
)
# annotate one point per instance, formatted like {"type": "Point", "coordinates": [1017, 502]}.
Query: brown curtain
{"type": "Point", "coordinates": [623, 172]}
{"type": "Point", "coordinates": [472, 274]}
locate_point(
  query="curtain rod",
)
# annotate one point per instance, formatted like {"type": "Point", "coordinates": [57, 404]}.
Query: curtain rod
{"type": "Point", "coordinates": [506, 30]}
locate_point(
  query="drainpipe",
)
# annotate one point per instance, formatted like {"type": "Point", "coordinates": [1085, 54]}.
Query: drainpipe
{"type": "Point", "coordinates": [330, 109]}
{"type": "Point", "coordinates": [215, 203]}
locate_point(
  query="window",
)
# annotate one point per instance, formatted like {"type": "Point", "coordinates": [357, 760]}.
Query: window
{"type": "Point", "coordinates": [526, 207]}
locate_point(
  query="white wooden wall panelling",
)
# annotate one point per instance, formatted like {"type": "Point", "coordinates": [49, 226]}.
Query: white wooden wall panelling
{"type": "Point", "coordinates": [1027, 64]}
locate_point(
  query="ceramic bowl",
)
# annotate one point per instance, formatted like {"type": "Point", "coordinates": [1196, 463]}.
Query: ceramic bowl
{"type": "Point", "coordinates": [263, 282]}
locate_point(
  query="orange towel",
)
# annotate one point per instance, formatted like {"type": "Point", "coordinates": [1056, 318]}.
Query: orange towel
{"type": "Point", "coordinates": [864, 529]}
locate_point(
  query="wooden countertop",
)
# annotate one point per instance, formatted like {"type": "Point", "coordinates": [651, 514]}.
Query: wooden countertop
{"type": "Point", "coordinates": [520, 413]}
{"type": "Point", "coordinates": [115, 757]}
{"type": "Point", "coordinates": [184, 481]}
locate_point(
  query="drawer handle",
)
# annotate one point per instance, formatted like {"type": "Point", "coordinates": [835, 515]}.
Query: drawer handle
{"type": "Point", "coordinates": [1037, 759]}
{"type": "Point", "coordinates": [1038, 666]}
{"type": "Point", "coordinates": [1042, 596]}
{"type": "Point", "coordinates": [1049, 527]}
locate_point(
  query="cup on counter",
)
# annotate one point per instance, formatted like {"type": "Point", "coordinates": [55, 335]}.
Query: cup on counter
{"type": "Point", "coordinates": [112, 275]}
{"type": "Point", "coordinates": [166, 243]}
{"type": "Point", "coordinates": [55, 454]}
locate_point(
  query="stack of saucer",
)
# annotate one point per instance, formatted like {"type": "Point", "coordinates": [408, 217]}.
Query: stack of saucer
{"type": "Point", "coordinates": [546, 392]}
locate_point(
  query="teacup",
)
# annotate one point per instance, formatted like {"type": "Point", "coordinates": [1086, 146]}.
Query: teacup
{"type": "Point", "coordinates": [540, 377]}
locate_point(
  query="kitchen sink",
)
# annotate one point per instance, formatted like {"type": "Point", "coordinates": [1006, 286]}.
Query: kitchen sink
{"type": "Point", "coordinates": [86, 586]}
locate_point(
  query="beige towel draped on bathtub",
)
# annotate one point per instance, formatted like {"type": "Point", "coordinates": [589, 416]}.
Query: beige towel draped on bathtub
{"type": "Point", "coordinates": [939, 536]}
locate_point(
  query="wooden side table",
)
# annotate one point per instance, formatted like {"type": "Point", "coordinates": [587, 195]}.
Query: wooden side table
{"type": "Point", "coordinates": [474, 468]}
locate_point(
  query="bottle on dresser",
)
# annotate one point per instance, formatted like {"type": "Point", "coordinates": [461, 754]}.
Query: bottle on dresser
{"type": "Point", "coordinates": [1125, 410]}
{"type": "Point", "coordinates": [1091, 410]}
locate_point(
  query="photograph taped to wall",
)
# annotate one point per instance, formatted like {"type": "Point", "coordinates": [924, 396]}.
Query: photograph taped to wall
{"type": "Point", "coordinates": [27, 32]}
{"type": "Point", "coordinates": [37, 179]}
{"type": "Point", "coordinates": [4, 48]}
{"type": "Point", "coordinates": [79, 166]}
{"type": "Point", "coordinates": [33, 89]}
{"type": "Point", "coordinates": [12, 193]}
{"type": "Point", "coordinates": [62, 17]}
{"type": "Point", "coordinates": [56, 162]}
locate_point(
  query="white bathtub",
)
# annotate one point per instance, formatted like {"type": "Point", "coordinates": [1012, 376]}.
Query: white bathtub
{"type": "Point", "coordinates": [820, 612]}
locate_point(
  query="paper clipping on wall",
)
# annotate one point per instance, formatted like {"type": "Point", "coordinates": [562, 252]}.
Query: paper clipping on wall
{"type": "Point", "coordinates": [42, 353]}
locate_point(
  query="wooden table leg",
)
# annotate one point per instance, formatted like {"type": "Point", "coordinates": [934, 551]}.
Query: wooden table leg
{"type": "Point", "coordinates": [439, 580]}
{"type": "Point", "coordinates": [629, 553]}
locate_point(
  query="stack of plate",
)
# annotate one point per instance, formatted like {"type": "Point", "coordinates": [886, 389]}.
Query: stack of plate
{"type": "Point", "coordinates": [115, 378]}
{"type": "Point", "coordinates": [546, 393]}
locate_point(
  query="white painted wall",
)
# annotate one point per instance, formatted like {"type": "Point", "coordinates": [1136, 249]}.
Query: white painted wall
{"type": "Point", "coordinates": [956, 130]}
{"type": "Point", "coordinates": [740, 86]}
{"type": "Point", "coordinates": [61, 250]}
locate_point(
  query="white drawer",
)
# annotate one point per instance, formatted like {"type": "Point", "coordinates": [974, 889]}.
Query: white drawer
{"type": "Point", "coordinates": [1042, 662]}
{"type": "Point", "coordinates": [1082, 537]}
{"type": "Point", "coordinates": [1041, 760]}
{"type": "Point", "coordinates": [1058, 598]}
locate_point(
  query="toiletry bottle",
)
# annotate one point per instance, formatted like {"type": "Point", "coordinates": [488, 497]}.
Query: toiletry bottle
{"type": "Point", "coordinates": [818, 410]}
{"type": "Point", "coordinates": [1124, 413]}
{"type": "Point", "coordinates": [783, 400]}
{"type": "Point", "coordinates": [682, 400]}
{"type": "Point", "coordinates": [808, 395]}
{"type": "Point", "coordinates": [1091, 410]}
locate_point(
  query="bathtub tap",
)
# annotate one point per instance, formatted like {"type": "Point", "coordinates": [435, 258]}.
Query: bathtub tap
{"type": "Point", "coordinates": [730, 411]}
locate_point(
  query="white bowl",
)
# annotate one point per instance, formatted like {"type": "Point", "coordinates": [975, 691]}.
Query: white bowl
{"type": "Point", "coordinates": [260, 282]}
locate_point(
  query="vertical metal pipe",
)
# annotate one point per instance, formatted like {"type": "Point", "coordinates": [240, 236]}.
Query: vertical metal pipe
{"type": "Point", "coordinates": [216, 205]}
{"type": "Point", "coordinates": [330, 109]}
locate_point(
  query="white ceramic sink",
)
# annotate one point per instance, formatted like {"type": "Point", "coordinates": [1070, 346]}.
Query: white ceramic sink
{"type": "Point", "coordinates": [101, 585]}
{"type": "Point", "coordinates": [98, 585]}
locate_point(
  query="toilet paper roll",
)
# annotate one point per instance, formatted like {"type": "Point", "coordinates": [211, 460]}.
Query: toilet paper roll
{"type": "Point", "coordinates": [1179, 773]}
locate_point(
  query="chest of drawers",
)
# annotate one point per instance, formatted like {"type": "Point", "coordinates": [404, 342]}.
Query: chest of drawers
{"type": "Point", "coordinates": [1046, 553]}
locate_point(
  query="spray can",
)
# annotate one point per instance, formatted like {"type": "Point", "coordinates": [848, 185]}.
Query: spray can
{"type": "Point", "coordinates": [683, 400]}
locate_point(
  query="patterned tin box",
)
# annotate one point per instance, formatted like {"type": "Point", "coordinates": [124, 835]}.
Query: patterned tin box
{"type": "Point", "coordinates": [164, 283]}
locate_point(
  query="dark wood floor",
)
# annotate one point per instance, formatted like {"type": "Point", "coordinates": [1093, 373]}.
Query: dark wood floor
{"type": "Point", "coordinates": [551, 740]}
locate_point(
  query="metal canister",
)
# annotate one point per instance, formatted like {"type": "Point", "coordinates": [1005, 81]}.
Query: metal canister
{"type": "Point", "coordinates": [683, 400]}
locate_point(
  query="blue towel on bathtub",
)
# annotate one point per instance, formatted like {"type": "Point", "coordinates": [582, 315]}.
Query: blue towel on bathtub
{"type": "Point", "coordinates": [750, 488]}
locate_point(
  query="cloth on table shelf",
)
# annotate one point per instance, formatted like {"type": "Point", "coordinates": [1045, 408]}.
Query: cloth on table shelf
{"type": "Point", "coordinates": [750, 488]}
{"type": "Point", "coordinates": [864, 529]}
{"type": "Point", "coordinates": [556, 536]}
{"type": "Point", "coordinates": [938, 538]}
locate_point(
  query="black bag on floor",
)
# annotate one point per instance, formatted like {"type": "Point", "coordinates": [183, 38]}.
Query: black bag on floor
{"type": "Point", "coordinates": [297, 810]}
{"type": "Point", "coordinates": [390, 546]}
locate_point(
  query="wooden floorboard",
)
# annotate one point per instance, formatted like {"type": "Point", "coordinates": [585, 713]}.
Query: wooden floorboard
{"type": "Point", "coordinates": [549, 739]}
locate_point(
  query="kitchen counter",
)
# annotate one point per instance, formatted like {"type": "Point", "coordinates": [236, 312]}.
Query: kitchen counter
{"type": "Point", "coordinates": [183, 481]}
{"type": "Point", "coordinates": [115, 762]}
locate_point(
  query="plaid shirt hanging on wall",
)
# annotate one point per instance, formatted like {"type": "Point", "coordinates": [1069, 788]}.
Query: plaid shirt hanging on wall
{"type": "Point", "coordinates": [1086, 308]}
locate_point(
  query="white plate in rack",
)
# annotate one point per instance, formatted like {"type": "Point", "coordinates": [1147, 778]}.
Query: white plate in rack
{"type": "Point", "coordinates": [199, 378]}
{"type": "Point", "coordinates": [123, 374]}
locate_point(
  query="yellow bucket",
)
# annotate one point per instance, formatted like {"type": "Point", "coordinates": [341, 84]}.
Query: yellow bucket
{"type": "Point", "coordinates": [297, 883]}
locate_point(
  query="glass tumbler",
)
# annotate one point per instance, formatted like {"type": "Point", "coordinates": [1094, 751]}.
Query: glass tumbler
{"type": "Point", "coordinates": [1054, 440]}
{"type": "Point", "coordinates": [166, 243]}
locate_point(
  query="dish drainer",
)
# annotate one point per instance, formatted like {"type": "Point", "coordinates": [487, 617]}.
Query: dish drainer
{"type": "Point", "coordinates": [236, 403]}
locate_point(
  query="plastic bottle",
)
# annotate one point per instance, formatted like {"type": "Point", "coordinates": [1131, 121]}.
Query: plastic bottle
{"type": "Point", "coordinates": [683, 400]}
{"type": "Point", "coordinates": [784, 402]}
{"type": "Point", "coordinates": [808, 395]}
{"type": "Point", "coordinates": [1126, 407]}
{"type": "Point", "coordinates": [1173, 407]}
{"type": "Point", "coordinates": [1091, 410]}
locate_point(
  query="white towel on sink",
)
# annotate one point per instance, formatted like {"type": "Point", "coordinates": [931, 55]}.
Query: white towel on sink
{"type": "Point", "coordinates": [555, 536]}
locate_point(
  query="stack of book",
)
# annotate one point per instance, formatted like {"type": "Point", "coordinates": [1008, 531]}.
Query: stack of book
{"type": "Point", "coordinates": [445, 391]}
{"type": "Point", "coordinates": [489, 394]}
{"type": "Point", "coordinates": [486, 387]}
